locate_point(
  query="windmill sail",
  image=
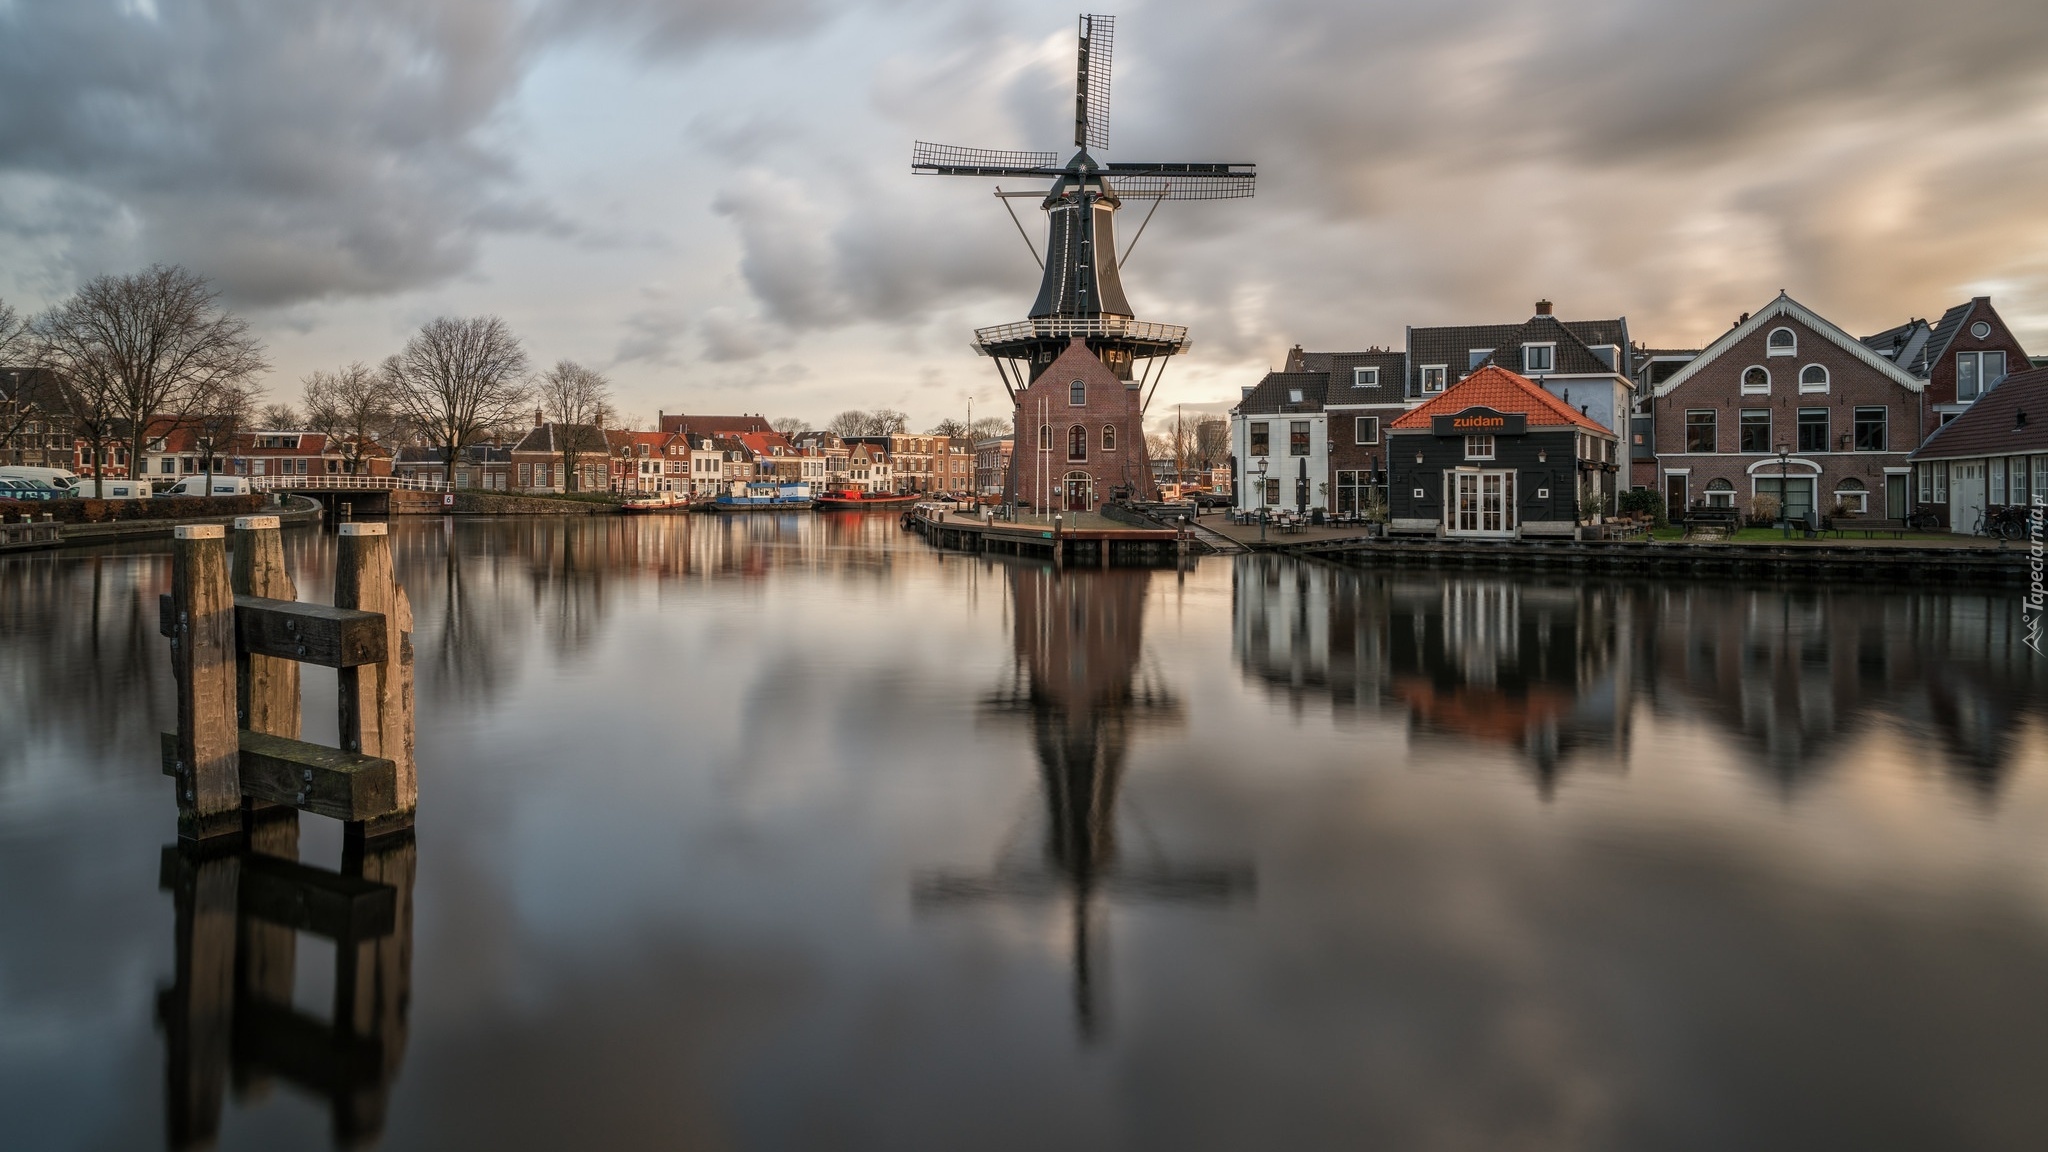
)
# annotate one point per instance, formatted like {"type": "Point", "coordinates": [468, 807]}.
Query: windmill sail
{"type": "Point", "coordinates": [1091, 85]}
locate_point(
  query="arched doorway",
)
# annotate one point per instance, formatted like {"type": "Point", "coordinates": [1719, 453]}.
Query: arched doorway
{"type": "Point", "coordinates": [1080, 491]}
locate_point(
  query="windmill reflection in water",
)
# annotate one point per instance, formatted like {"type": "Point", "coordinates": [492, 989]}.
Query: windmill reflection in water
{"type": "Point", "coordinates": [1078, 682]}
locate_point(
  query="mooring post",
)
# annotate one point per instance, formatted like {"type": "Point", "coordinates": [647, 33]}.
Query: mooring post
{"type": "Point", "coordinates": [377, 699]}
{"type": "Point", "coordinates": [208, 768]}
{"type": "Point", "coordinates": [373, 976]}
{"type": "Point", "coordinates": [1059, 551]}
{"type": "Point", "coordinates": [267, 699]}
{"type": "Point", "coordinates": [197, 1012]}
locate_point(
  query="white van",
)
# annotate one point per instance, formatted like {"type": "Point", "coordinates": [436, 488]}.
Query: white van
{"type": "Point", "coordinates": [111, 489]}
{"type": "Point", "coordinates": [196, 486]}
{"type": "Point", "coordinates": [64, 480]}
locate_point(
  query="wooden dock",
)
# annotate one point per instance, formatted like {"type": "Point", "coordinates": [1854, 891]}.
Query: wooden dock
{"type": "Point", "coordinates": [1076, 538]}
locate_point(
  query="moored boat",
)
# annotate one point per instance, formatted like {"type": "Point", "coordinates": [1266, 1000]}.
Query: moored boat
{"type": "Point", "coordinates": [845, 500]}
{"type": "Point", "coordinates": [761, 496]}
{"type": "Point", "coordinates": [656, 502]}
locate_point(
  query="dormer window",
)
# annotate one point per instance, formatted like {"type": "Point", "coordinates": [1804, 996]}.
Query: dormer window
{"type": "Point", "coordinates": [1782, 342]}
{"type": "Point", "coordinates": [1813, 378]}
{"type": "Point", "coordinates": [1365, 377]}
{"type": "Point", "coordinates": [1539, 357]}
{"type": "Point", "coordinates": [1294, 395]}
{"type": "Point", "coordinates": [1433, 377]}
{"type": "Point", "coordinates": [1474, 357]}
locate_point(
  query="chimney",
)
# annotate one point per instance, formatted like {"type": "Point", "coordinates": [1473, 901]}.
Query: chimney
{"type": "Point", "coordinates": [537, 421]}
{"type": "Point", "coordinates": [1543, 307]}
{"type": "Point", "coordinates": [1296, 360]}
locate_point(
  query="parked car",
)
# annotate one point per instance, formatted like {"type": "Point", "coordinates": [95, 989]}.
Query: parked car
{"type": "Point", "coordinates": [64, 480]}
{"type": "Point", "coordinates": [28, 490]}
{"type": "Point", "coordinates": [111, 489]}
{"type": "Point", "coordinates": [1207, 499]}
{"type": "Point", "coordinates": [197, 486]}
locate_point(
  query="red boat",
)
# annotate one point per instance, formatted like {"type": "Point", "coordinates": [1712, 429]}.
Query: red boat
{"type": "Point", "coordinates": [843, 501]}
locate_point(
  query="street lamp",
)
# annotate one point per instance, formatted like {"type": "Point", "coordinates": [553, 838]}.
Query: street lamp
{"type": "Point", "coordinates": [1260, 474]}
{"type": "Point", "coordinates": [1784, 494]}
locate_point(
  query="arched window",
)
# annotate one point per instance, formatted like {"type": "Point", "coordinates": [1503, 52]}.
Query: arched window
{"type": "Point", "coordinates": [1756, 380]}
{"type": "Point", "coordinates": [1783, 342]}
{"type": "Point", "coordinates": [1045, 437]}
{"type": "Point", "coordinates": [1720, 494]}
{"type": "Point", "coordinates": [1077, 394]}
{"type": "Point", "coordinates": [1813, 378]}
{"type": "Point", "coordinates": [1109, 437]}
{"type": "Point", "coordinates": [1077, 443]}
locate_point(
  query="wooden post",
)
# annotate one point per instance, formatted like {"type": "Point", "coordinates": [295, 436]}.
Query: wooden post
{"type": "Point", "coordinates": [373, 981]}
{"type": "Point", "coordinates": [376, 699]}
{"type": "Point", "coordinates": [207, 768]}
{"type": "Point", "coordinates": [268, 697]}
{"type": "Point", "coordinates": [197, 1011]}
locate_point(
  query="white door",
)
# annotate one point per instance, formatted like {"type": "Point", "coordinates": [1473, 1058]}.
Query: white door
{"type": "Point", "coordinates": [1482, 503]}
{"type": "Point", "coordinates": [1966, 496]}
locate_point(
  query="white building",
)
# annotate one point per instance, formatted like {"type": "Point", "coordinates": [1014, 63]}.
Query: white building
{"type": "Point", "coordinates": [1280, 436]}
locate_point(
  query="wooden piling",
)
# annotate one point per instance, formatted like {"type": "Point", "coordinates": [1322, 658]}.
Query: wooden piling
{"type": "Point", "coordinates": [267, 699]}
{"type": "Point", "coordinates": [207, 764]}
{"type": "Point", "coordinates": [377, 699]}
{"type": "Point", "coordinates": [197, 1012]}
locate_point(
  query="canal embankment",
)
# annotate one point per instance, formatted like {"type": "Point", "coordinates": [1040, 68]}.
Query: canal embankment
{"type": "Point", "coordinates": [24, 536]}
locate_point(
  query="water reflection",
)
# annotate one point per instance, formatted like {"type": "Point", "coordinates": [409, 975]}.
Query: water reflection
{"type": "Point", "coordinates": [1553, 668]}
{"type": "Point", "coordinates": [1079, 685]}
{"type": "Point", "coordinates": [228, 1016]}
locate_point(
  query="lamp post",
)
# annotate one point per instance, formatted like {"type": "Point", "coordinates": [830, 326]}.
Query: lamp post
{"type": "Point", "coordinates": [1260, 474]}
{"type": "Point", "coordinates": [1784, 495]}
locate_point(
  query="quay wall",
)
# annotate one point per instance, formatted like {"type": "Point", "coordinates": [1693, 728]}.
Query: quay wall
{"type": "Point", "coordinates": [1816, 563]}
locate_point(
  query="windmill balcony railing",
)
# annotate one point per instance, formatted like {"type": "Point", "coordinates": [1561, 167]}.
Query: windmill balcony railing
{"type": "Point", "coordinates": [343, 480]}
{"type": "Point", "coordinates": [1050, 327]}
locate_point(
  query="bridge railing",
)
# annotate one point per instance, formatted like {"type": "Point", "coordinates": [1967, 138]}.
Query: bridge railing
{"type": "Point", "coordinates": [338, 482]}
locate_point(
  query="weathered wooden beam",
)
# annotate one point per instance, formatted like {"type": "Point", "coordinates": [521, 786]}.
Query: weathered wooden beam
{"type": "Point", "coordinates": [309, 777]}
{"type": "Point", "coordinates": [309, 633]}
{"type": "Point", "coordinates": [203, 659]}
{"type": "Point", "coordinates": [198, 1010]}
{"type": "Point", "coordinates": [267, 693]}
{"type": "Point", "coordinates": [302, 633]}
{"type": "Point", "coordinates": [376, 717]}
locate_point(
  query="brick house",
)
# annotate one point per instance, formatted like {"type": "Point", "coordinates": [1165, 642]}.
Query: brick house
{"type": "Point", "coordinates": [868, 468]}
{"type": "Point", "coordinates": [992, 464]}
{"type": "Point", "coordinates": [639, 460]}
{"type": "Point", "coordinates": [36, 430]}
{"type": "Point", "coordinates": [1362, 394]}
{"type": "Point", "coordinates": [540, 461]}
{"type": "Point", "coordinates": [1993, 454]}
{"type": "Point", "coordinates": [1962, 356]}
{"type": "Point", "coordinates": [1080, 436]}
{"type": "Point", "coordinates": [1787, 380]}
{"type": "Point", "coordinates": [485, 466]}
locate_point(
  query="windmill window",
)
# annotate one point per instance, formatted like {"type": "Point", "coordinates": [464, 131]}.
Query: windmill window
{"type": "Point", "coordinates": [1782, 342]}
{"type": "Point", "coordinates": [1109, 437]}
{"type": "Point", "coordinates": [1813, 378]}
{"type": "Point", "coordinates": [1045, 437]}
{"type": "Point", "coordinates": [1756, 381]}
{"type": "Point", "coordinates": [1077, 443]}
{"type": "Point", "coordinates": [1077, 394]}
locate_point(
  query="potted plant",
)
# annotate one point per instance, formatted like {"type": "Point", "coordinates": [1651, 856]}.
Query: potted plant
{"type": "Point", "coordinates": [1374, 509]}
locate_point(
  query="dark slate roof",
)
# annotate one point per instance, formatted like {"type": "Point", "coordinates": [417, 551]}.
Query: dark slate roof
{"type": "Point", "coordinates": [1390, 363]}
{"type": "Point", "coordinates": [696, 426]}
{"type": "Point", "coordinates": [1903, 344]}
{"type": "Point", "coordinates": [551, 437]}
{"type": "Point", "coordinates": [1944, 334]}
{"type": "Point", "coordinates": [474, 454]}
{"type": "Point", "coordinates": [1453, 345]}
{"type": "Point", "coordinates": [1270, 397]}
{"type": "Point", "coordinates": [1987, 427]}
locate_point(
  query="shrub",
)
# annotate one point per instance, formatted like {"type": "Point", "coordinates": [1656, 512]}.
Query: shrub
{"type": "Point", "coordinates": [1763, 511]}
{"type": "Point", "coordinates": [101, 511]}
{"type": "Point", "coordinates": [1640, 502]}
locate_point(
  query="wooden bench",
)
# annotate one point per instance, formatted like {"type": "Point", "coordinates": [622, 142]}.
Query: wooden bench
{"type": "Point", "coordinates": [1868, 525]}
{"type": "Point", "coordinates": [1712, 523]}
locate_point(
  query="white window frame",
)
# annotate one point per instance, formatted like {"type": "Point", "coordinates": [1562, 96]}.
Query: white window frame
{"type": "Point", "coordinates": [1814, 389]}
{"type": "Point", "coordinates": [1080, 388]}
{"type": "Point", "coordinates": [1365, 377]}
{"type": "Point", "coordinates": [1358, 425]}
{"type": "Point", "coordinates": [1294, 395]}
{"type": "Point", "coordinates": [1549, 351]}
{"type": "Point", "coordinates": [1443, 374]}
{"type": "Point", "coordinates": [1474, 357]}
{"type": "Point", "coordinates": [1772, 348]}
{"type": "Point", "coordinates": [1479, 447]}
{"type": "Point", "coordinates": [1743, 384]}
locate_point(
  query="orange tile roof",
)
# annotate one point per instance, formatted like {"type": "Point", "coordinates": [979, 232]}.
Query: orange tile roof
{"type": "Point", "coordinates": [1503, 391]}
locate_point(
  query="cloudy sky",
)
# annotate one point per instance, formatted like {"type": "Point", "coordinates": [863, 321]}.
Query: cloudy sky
{"type": "Point", "coordinates": [711, 199]}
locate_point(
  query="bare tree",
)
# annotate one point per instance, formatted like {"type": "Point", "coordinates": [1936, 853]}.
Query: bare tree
{"type": "Point", "coordinates": [993, 427]}
{"type": "Point", "coordinates": [147, 346]}
{"type": "Point", "coordinates": [1212, 441]}
{"type": "Point", "coordinates": [351, 405]}
{"type": "Point", "coordinates": [17, 339]}
{"type": "Point", "coordinates": [218, 415]}
{"type": "Point", "coordinates": [580, 400]}
{"type": "Point", "coordinates": [456, 380]}
{"type": "Point", "coordinates": [951, 427]}
{"type": "Point", "coordinates": [280, 417]}
{"type": "Point", "coordinates": [790, 426]}
{"type": "Point", "coordinates": [860, 422]}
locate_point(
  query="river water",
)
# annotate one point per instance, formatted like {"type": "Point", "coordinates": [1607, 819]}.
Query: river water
{"type": "Point", "coordinates": [789, 832]}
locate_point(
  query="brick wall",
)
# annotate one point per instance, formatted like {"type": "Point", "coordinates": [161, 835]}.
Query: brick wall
{"type": "Point", "coordinates": [1109, 402]}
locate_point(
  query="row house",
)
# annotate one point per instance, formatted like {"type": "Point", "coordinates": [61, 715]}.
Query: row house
{"type": "Point", "coordinates": [868, 468]}
{"type": "Point", "coordinates": [832, 447]}
{"type": "Point", "coordinates": [992, 464]}
{"type": "Point", "coordinates": [554, 457]}
{"type": "Point", "coordinates": [36, 430]}
{"type": "Point", "coordinates": [1988, 456]}
{"type": "Point", "coordinates": [639, 460]}
{"type": "Point", "coordinates": [181, 448]}
{"type": "Point", "coordinates": [1960, 357]}
{"type": "Point", "coordinates": [692, 466]}
{"type": "Point", "coordinates": [953, 465]}
{"type": "Point", "coordinates": [480, 466]}
{"type": "Point", "coordinates": [1788, 405]}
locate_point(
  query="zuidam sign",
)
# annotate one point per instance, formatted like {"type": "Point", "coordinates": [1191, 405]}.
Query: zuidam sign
{"type": "Point", "coordinates": [1480, 422]}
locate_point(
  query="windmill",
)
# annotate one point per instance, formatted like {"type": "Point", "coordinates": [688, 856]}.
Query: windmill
{"type": "Point", "coordinates": [1081, 293]}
